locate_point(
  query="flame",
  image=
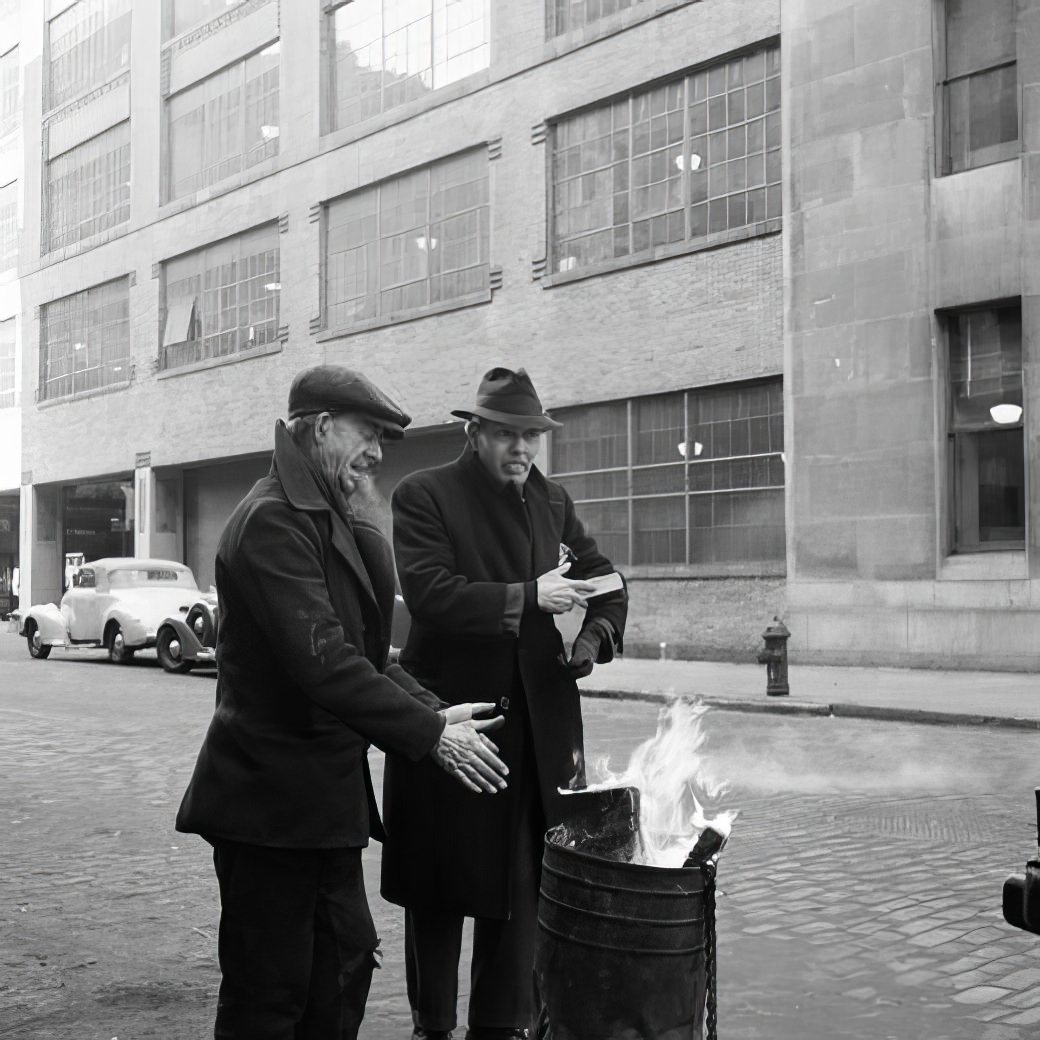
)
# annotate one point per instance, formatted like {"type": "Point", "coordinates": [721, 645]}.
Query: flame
{"type": "Point", "coordinates": [673, 786]}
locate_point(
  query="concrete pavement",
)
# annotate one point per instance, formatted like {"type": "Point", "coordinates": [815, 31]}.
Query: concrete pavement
{"type": "Point", "coordinates": [902, 694]}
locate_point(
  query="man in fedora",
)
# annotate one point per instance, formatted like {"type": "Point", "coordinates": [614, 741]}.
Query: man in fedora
{"type": "Point", "coordinates": [281, 788]}
{"type": "Point", "coordinates": [488, 550]}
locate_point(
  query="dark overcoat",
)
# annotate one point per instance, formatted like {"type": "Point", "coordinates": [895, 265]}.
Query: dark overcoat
{"type": "Point", "coordinates": [468, 552]}
{"type": "Point", "coordinates": [302, 689]}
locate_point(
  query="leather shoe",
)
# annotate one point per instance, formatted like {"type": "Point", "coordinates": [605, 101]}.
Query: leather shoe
{"type": "Point", "coordinates": [418, 1033]}
{"type": "Point", "coordinates": [498, 1034]}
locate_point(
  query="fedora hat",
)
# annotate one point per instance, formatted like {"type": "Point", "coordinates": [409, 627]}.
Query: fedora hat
{"type": "Point", "coordinates": [509, 397]}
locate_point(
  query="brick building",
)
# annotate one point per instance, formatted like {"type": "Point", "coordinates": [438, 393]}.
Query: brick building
{"type": "Point", "coordinates": [738, 250]}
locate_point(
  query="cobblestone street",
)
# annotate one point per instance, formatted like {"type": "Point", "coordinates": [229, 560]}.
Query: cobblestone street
{"type": "Point", "coordinates": [860, 893]}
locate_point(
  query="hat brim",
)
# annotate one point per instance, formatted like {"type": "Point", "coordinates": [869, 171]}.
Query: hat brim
{"type": "Point", "coordinates": [526, 422]}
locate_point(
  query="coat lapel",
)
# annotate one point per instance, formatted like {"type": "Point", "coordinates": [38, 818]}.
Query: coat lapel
{"type": "Point", "coordinates": [545, 550]}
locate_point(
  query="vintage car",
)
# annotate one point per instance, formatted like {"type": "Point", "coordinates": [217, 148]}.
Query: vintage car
{"type": "Point", "coordinates": [190, 637]}
{"type": "Point", "coordinates": [118, 603]}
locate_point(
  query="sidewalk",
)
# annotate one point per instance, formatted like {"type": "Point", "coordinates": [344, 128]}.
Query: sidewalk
{"type": "Point", "coordinates": [902, 694]}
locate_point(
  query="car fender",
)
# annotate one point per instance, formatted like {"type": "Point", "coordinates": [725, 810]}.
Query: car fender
{"type": "Point", "coordinates": [190, 645]}
{"type": "Point", "coordinates": [135, 633]}
{"type": "Point", "coordinates": [50, 623]}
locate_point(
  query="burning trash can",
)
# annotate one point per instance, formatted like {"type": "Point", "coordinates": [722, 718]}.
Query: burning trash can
{"type": "Point", "coordinates": [626, 946]}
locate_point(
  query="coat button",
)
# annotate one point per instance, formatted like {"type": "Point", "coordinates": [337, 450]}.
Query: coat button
{"type": "Point", "coordinates": [504, 702]}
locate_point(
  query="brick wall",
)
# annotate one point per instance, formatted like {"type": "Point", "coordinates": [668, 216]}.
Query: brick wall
{"type": "Point", "coordinates": [701, 318]}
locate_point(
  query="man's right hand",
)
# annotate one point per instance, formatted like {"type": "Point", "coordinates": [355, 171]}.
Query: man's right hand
{"type": "Point", "coordinates": [557, 594]}
{"type": "Point", "coordinates": [464, 751]}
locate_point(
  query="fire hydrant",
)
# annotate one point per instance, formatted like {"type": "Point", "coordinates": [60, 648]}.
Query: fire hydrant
{"type": "Point", "coordinates": [774, 657]}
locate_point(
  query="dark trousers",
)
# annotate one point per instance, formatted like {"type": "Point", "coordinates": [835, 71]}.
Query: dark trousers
{"type": "Point", "coordinates": [502, 989]}
{"type": "Point", "coordinates": [296, 943]}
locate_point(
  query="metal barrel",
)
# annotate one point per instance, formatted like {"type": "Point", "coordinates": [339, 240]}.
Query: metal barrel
{"type": "Point", "coordinates": [621, 948]}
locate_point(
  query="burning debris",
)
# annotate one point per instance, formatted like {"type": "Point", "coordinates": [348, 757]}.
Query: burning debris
{"type": "Point", "coordinates": [652, 813]}
{"type": "Point", "coordinates": [626, 912]}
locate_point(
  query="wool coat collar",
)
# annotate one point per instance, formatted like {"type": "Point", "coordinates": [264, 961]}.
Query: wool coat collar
{"type": "Point", "coordinates": [305, 491]}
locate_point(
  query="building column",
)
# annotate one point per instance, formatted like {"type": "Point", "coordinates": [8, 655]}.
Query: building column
{"type": "Point", "coordinates": [144, 489]}
{"type": "Point", "coordinates": [26, 527]}
{"type": "Point", "coordinates": [157, 509]}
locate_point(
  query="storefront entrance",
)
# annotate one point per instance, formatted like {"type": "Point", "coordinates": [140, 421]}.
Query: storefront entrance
{"type": "Point", "coordinates": [98, 521]}
{"type": "Point", "coordinates": [8, 552]}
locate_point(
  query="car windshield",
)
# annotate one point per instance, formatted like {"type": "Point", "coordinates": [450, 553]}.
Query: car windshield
{"type": "Point", "coordinates": [150, 577]}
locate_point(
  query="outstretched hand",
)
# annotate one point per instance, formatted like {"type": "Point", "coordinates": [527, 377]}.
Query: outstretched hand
{"type": "Point", "coordinates": [468, 755]}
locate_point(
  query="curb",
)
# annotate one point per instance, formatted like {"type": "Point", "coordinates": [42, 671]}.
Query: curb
{"type": "Point", "coordinates": [783, 706]}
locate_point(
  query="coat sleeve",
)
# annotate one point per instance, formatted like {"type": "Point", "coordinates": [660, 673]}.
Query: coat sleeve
{"type": "Point", "coordinates": [612, 607]}
{"type": "Point", "coordinates": [433, 588]}
{"type": "Point", "coordinates": [280, 574]}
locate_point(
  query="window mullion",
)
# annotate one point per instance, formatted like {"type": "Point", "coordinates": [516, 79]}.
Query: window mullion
{"type": "Point", "coordinates": [631, 145]}
{"type": "Point", "coordinates": [428, 230]}
{"type": "Point", "coordinates": [379, 250]}
{"type": "Point", "coordinates": [687, 151]}
{"type": "Point", "coordinates": [686, 469]}
{"type": "Point", "coordinates": [628, 482]}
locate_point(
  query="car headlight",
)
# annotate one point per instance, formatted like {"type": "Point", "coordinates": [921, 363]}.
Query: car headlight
{"type": "Point", "coordinates": [200, 625]}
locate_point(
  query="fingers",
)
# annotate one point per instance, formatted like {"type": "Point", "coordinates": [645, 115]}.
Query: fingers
{"type": "Point", "coordinates": [483, 725]}
{"type": "Point", "coordinates": [457, 713]}
{"type": "Point", "coordinates": [577, 585]}
{"type": "Point", "coordinates": [465, 712]}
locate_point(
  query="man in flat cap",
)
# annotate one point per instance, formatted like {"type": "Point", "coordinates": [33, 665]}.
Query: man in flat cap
{"type": "Point", "coordinates": [281, 788]}
{"type": "Point", "coordinates": [488, 550]}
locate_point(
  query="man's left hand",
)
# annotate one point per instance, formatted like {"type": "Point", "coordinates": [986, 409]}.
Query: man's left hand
{"type": "Point", "coordinates": [593, 644]}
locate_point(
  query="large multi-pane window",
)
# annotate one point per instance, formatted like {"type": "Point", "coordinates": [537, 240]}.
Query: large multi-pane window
{"type": "Point", "coordinates": [8, 377]}
{"type": "Point", "coordinates": [8, 225]}
{"type": "Point", "coordinates": [87, 44]}
{"type": "Point", "coordinates": [10, 92]}
{"type": "Point", "coordinates": [694, 477]}
{"type": "Point", "coordinates": [222, 299]}
{"type": "Point", "coordinates": [183, 15]}
{"type": "Point", "coordinates": [386, 52]}
{"type": "Point", "coordinates": [981, 83]}
{"type": "Point", "coordinates": [565, 15]}
{"type": "Point", "coordinates": [987, 446]}
{"type": "Point", "coordinates": [409, 242]}
{"type": "Point", "coordinates": [669, 164]}
{"type": "Point", "coordinates": [225, 124]}
{"type": "Point", "coordinates": [87, 189]}
{"type": "Point", "coordinates": [85, 341]}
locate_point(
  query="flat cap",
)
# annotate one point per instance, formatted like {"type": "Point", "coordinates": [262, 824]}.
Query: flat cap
{"type": "Point", "coordinates": [337, 389]}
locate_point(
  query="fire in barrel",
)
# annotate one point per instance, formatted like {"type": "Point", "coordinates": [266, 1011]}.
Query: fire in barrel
{"type": "Point", "coordinates": [626, 909]}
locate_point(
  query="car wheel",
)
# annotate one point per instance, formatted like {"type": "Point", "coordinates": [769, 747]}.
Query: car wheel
{"type": "Point", "coordinates": [168, 650]}
{"type": "Point", "coordinates": [37, 648]}
{"type": "Point", "coordinates": [200, 621]}
{"type": "Point", "coordinates": [118, 651]}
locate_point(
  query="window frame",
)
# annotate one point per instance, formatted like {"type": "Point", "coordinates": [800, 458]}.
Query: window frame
{"type": "Point", "coordinates": [47, 360]}
{"type": "Point", "coordinates": [68, 239]}
{"type": "Point", "coordinates": [330, 121]}
{"type": "Point", "coordinates": [382, 318]}
{"type": "Point", "coordinates": [631, 470]}
{"type": "Point", "coordinates": [169, 31]}
{"type": "Point", "coordinates": [956, 543]}
{"type": "Point", "coordinates": [9, 360]}
{"type": "Point", "coordinates": [689, 242]}
{"type": "Point", "coordinates": [9, 261]}
{"type": "Point", "coordinates": [12, 122]}
{"type": "Point", "coordinates": [944, 164]}
{"type": "Point", "coordinates": [199, 317]}
{"type": "Point", "coordinates": [244, 160]}
{"type": "Point", "coordinates": [93, 81]}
